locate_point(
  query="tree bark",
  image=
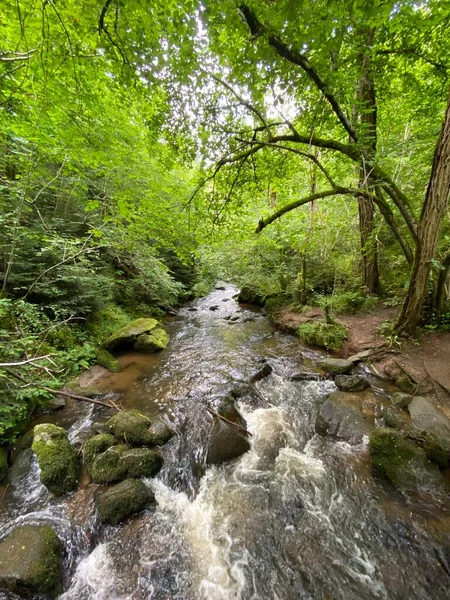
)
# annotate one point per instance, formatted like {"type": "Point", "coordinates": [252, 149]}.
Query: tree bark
{"type": "Point", "coordinates": [433, 211]}
{"type": "Point", "coordinates": [440, 289]}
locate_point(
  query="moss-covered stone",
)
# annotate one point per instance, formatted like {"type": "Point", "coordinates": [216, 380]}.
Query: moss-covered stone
{"type": "Point", "coordinates": [56, 457]}
{"type": "Point", "coordinates": [250, 295]}
{"type": "Point", "coordinates": [3, 464]}
{"type": "Point", "coordinates": [433, 449]}
{"type": "Point", "coordinates": [132, 427]}
{"type": "Point", "coordinates": [142, 462]}
{"type": "Point", "coordinates": [154, 341]}
{"type": "Point", "coordinates": [106, 359]}
{"type": "Point", "coordinates": [108, 467]}
{"type": "Point", "coordinates": [161, 434]}
{"type": "Point", "coordinates": [22, 443]}
{"type": "Point", "coordinates": [405, 384]}
{"type": "Point", "coordinates": [126, 336]}
{"type": "Point", "coordinates": [123, 500]}
{"type": "Point", "coordinates": [96, 445]}
{"type": "Point", "coordinates": [335, 366]}
{"type": "Point", "coordinates": [30, 561]}
{"type": "Point", "coordinates": [401, 461]}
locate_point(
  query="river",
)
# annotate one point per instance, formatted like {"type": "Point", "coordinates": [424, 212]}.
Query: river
{"type": "Point", "coordinates": [297, 517]}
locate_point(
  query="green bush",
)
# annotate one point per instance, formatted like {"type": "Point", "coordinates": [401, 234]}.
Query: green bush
{"type": "Point", "coordinates": [324, 335]}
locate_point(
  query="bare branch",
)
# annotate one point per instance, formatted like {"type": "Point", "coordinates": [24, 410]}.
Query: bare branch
{"type": "Point", "coordinates": [26, 362]}
{"type": "Point", "coordinates": [101, 20]}
{"type": "Point", "coordinates": [16, 56]}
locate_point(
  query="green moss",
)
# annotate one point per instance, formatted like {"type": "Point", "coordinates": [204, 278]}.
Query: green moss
{"type": "Point", "coordinates": [30, 561]}
{"type": "Point", "coordinates": [106, 359]}
{"type": "Point", "coordinates": [142, 462]}
{"type": "Point", "coordinates": [390, 452]}
{"type": "Point", "coordinates": [3, 464]}
{"type": "Point", "coordinates": [132, 427]}
{"type": "Point", "coordinates": [56, 457]}
{"type": "Point", "coordinates": [127, 335]}
{"type": "Point", "coordinates": [434, 451]}
{"type": "Point", "coordinates": [108, 466]}
{"type": "Point", "coordinates": [107, 320]}
{"type": "Point", "coordinates": [154, 341]}
{"type": "Point", "coordinates": [323, 335]}
{"type": "Point", "coordinates": [123, 500]}
{"type": "Point", "coordinates": [96, 445]}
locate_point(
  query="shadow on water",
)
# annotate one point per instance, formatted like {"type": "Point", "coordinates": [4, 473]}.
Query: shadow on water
{"type": "Point", "coordinates": [298, 516]}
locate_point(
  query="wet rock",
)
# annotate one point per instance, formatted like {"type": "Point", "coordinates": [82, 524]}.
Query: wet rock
{"type": "Point", "coordinates": [3, 464]}
{"type": "Point", "coordinates": [335, 366]}
{"type": "Point", "coordinates": [226, 300]}
{"type": "Point", "coordinates": [135, 428]}
{"type": "Point", "coordinates": [220, 288]}
{"type": "Point", "coordinates": [265, 371]}
{"type": "Point", "coordinates": [401, 400]}
{"type": "Point", "coordinates": [54, 403]}
{"type": "Point", "coordinates": [127, 336]}
{"type": "Point", "coordinates": [123, 500]}
{"type": "Point", "coordinates": [106, 359]}
{"type": "Point", "coordinates": [249, 320]}
{"type": "Point", "coordinates": [225, 406]}
{"type": "Point", "coordinates": [306, 374]}
{"type": "Point", "coordinates": [351, 383]}
{"type": "Point", "coordinates": [30, 561]}
{"type": "Point", "coordinates": [360, 356]}
{"type": "Point", "coordinates": [402, 462]}
{"type": "Point", "coordinates": [427, 417]}
{"type": "Point", "coordinates": [404, 383]}
{"type": "Point", "coordinates": [57, 459]}
{"type": "Point", "coordinates": [395, 418]}
{"type": "Point", "coordinates": [213, 308]}
{"type": "Point", "coordinates": [250, 295]}
{"type": "Point", "coordinates": [96, 445]}
{"type": "Point", "coordinates": [225, 443]}
{"type": "Point", "coordinates": [120, 461]}
{"type": "Point", "coordinates": [21, 465]}
{"type": "Point", "coordinates": [22, 443]}
{"type": "Point", "coordinates": [234, 318]}
{"type": "Point", "coordinates": [155, 341]}
{"type": "Point", "coordinates": [341, 417]}
{"type": "Point", "coordinates": [193, 309]}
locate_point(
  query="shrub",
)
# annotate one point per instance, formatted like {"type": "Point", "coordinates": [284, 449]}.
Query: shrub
{"type": "Point", "coordinates": [324, 335]}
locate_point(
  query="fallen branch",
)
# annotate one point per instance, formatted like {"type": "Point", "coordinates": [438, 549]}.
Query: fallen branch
{"type": "Point", "coordinates": [26, 362]}
{"type": "Point", "coordinates": [216, 414]}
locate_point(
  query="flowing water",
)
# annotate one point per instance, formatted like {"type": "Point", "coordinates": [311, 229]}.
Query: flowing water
{"type": "Point", "coordinates": [298, 516]}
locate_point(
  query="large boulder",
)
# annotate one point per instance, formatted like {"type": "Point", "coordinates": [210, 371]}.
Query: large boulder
{"type": "Point", "coordinates": [128, 336]}
{"type": "Point", "coordinates": [56, 457]}
{"type": "Point", "coordinates": [123, 500]}
{"type": "Point", "coordinates": [426, 417]}
{"type": "Point", "coordinates": [225, 443]}
{"type": "Point", "coordinates": [21, 465]}
{"type": "Point", "coordinates": [3, 464]}
{"type": "Point", "coordinates": [119, 462]}
{"type": "Point", "coordinates": [250, 295]}
{"type": "Point", "coordinates": [95, 446]}
{"type": "Point", "coordinates": [135, 428]}
{"type": "Point", "coordinates": [402, 462]}
{"type": "Point", "coordinates": [341, 417]}
{"type": "Point", "coordinates": [154, 341]}
{"type": "Point", "coordinates": [351, 383]}
{"type": "Point", "coordinates": [30, 561]}
{"type": "Point", "coordinates": [335, 366]}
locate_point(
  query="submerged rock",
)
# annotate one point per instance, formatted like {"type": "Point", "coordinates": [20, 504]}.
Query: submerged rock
{"type": "Point", "coordinates": [127, 336]}
{"type": "Point", "coordinates": [225, 443]}
{"type": "Point", "coordinates": [123, 500]}
{"type": "Point", "coordinates": [401, 400]}
{"type": "Point", "coordinates": [135, 428]}
{"type": "Point", "coordinates": [341, 417]}
{"type": "Point", "coordinates": [56, 457]}
{"type": "Point", "coordinates": [335, 366]}
{"type": "Point", "coordinates": [155, 341]}
{"type": "Point", "coordinates": [30, 561]}
{"type": "Point", "coordinates": [119, 462]}
{"type": "Point", "coordinates": [402, 462]}
{"type": "Point", "coordinates": [3, 464]}
{"type": "Point", "coordinates": [427, 417]}
{"type": "Point", "coordinates": [250, 295]}
{"type": "Point", "coordinates": [351, 383]}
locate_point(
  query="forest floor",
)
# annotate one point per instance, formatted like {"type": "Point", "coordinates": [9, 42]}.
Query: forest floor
{"type": "Point", "coordinates": [426, 359]}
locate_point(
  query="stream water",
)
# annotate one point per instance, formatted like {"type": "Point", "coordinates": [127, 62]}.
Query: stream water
{"type": "Point", "coordinates": [297, 517]}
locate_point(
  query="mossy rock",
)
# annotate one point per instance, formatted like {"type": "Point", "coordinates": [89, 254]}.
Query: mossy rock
{"type": "Point", "coordinates": [402, 462]}
{"type": "Point", "coordinates": [56, 457]}
{"type": "Point", "coordinates": [24, 442]}
{"type": "Point", "coordinates": [155, 341]}
{"type": "Point", "coordinates": [433, 449]}
{"type": "Point", "coordinates": [123, 500]}
{"type": "Point", "coordinates": [138, 429]}
{"type": "Point", "coordinates": [250, 295]}
{"type": "Point", "coordinates": [405, 384]}
{"type": "Point", "coordinates": [3, 464]}
{"type": "Point", "coordinates": [127, 336]}
{"type": "Point", "coordinates": [108, 361]}
{"type": "Point", "coordinates": [30, 561]}
{"type": "Point", "coordinates": [119, 462]}
{"type": "Point", "coordinates": [341, 416]}
{"type": "Point", "coordinates": [335, 366]}
{"type": "Point", "coordinates": [96, 445]}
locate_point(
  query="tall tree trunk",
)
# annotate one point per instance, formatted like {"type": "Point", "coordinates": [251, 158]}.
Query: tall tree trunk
{"type": "Point", "coordinates": [440, 289]}
{"type": "Point", "coordinates": [433, 211]}
{"type": "Point", "coordinates": [367, 113]}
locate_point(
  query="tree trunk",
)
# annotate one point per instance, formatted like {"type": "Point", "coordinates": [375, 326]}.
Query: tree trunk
{"type": "Point", "coordinates": [433, 211]}
{"type": "Point", "coordinates": [367, 112]}
{"type": "Point", "coordinates": [440, 289]}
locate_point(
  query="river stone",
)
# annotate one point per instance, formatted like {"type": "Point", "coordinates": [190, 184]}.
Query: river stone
{"type": "Point", "coordinates": [341, 417]}
{"type": "Point", "coordinates": [30, 561]}
{"type": "Point", "coordinates": [132, 427]}
{"type": "Point", "coordinates": [401, 400]}
{"type": "Point", "coordinates": [402, 462]}
{"type": "Point", "coordinates": [127, 336]}
{"type": "Point", "coordinates": [225, 443]}
{"type": "Point", "coordinates": [123, 500]}
{"type": "Point", "coordinates": [21, 465]}
{"type": "Point", "coordinates": [395, 418]}
{"type": "Point", "coordinates": [351, 383]}
{"type": "Point", "coordinates": [96, 445]}
{"type": "Point", "coordinates": [142, 462]}
{"type": "Point", "coordinates": [425, 416]}
{"type": "Point", "coordinates": [120, 461]}
{"type": "Point", "coordinates": [155, 341]}
{"type": "Point", "coordinates": [57, 459]}
{"type": "Point", "coordinates": [108, 361]}
{"type": "Point", "coordinates": [335, 366]}
{"type": "Point", "coordinates": [265, 371]}
{"type": "Point", "coordinates": [3, 464]}
{"type": "Point", "coordinates": [250, 295]}
{"type": "Point", "coordinates": [25, 441]}
{"type": "Point", "coordinates": [404, 383]}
